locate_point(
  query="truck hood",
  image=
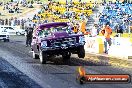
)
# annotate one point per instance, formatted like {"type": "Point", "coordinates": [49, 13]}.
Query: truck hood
{"type": "Point", "coordinates": [57, 35]}
{"type": "Point", "coordinates": [60, 34]}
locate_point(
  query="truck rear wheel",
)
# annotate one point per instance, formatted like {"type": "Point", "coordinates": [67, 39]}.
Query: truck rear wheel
{"type": "Point", "coordinates": [35, 56]}
{"type": "Point", "coordinates": [81, 52]}
{"type": "Point", "coordinates": [43, 57]}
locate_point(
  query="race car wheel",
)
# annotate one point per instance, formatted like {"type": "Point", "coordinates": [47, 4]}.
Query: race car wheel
{"type": "Point", "coordinates": [35, 56]}
{"type": "Point", "coordinates": [81, 52]}
{"type": "Point", "coordinates": [43, 57]}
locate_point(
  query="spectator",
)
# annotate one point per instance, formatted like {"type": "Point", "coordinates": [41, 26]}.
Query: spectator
{"type": "Point", "coordinates": [83, 26]}
{"type": "Point", "coordinates": [131, 29]}
{"type": "Point", "coordinates": [6, 21]}
{"type": "Point", "coordinates": [18, 22]}
{"type": "Point", "coordinates": [119, 30]}
{"type": "Point", "coordinates": [2, 22]}
{"type": "Point", "coordinates": [15, 21]}
{"type": "Point", "coordinates": [12, 22]}
{"type": "Point", "coordinates": [22, 23]}
{"type": "Point", "coordinates": [29, 32]}
{"type": "Point", "coordinates": [9, 22]}
{"type": "Point", "coordinates": [107, 31]}
{"type": "Point", "coordinates": [94, 31]}
{"type": "Point", "coordinates": [75, 29]}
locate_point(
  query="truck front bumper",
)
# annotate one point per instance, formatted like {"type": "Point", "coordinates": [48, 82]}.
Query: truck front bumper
{"type": "Point", "coordinates": [59, 50]}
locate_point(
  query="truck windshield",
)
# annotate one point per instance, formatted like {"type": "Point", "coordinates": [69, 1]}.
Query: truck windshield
{"type": "Point", "coordinates": [49, 31]}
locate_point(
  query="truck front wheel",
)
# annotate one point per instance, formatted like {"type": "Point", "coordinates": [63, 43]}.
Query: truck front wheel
{"type": "Point", "coordinates": [81, 52]}
{"type": "Point", "coordinates": [43, 57]}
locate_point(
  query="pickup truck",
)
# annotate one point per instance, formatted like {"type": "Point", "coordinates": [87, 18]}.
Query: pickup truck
{"type": "Point", "coordinates": [57, 38]}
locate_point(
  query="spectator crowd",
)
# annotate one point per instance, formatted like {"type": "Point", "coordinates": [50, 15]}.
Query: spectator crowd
{"type": "Point", "coordinates": [13, 7]}
{"type": "Point", "coordinates": [62, 12]}
{"type": "Point", "coordinates": [119, 15]}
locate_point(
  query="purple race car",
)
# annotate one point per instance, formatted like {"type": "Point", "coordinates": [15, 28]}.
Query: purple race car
{"type": "Point", "coordinates": [56, 39]}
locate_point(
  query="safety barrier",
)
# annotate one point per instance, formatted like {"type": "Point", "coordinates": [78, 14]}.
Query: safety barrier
{"type": "Point", "coordinates": [120, 48]}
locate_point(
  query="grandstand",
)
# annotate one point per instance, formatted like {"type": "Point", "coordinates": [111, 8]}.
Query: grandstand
{"type": "Point", "coordinates": [65, 12]}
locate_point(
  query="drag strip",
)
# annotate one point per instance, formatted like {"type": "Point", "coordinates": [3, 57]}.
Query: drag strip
{"type": "Point", "coordinates": [10, 77]}
{"type": "Point", "coordinates": [55, 74]}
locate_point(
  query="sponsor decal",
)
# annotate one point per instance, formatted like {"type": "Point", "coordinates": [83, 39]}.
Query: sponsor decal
{"type": "Point", "coordinates": [91, 43]}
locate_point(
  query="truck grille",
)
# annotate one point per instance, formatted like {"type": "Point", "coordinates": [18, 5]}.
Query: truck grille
{"type": "Point", "coordinates": [63, 42]}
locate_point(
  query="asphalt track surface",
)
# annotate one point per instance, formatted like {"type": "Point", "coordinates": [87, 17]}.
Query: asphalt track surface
{"type": "Point", "coordinates": [19, 70]}
{"type": "Point", "coordinates": [10, 77]}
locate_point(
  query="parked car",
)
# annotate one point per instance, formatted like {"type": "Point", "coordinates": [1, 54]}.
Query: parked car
{"type": "Point", "coordinates": [53, 39]}
{"type": "Point", "coordinates": [9, 29]}
{"type": "Point", "coordinates": [12, 30]}
{"type": "Point", "coordinates": [4, 35]}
